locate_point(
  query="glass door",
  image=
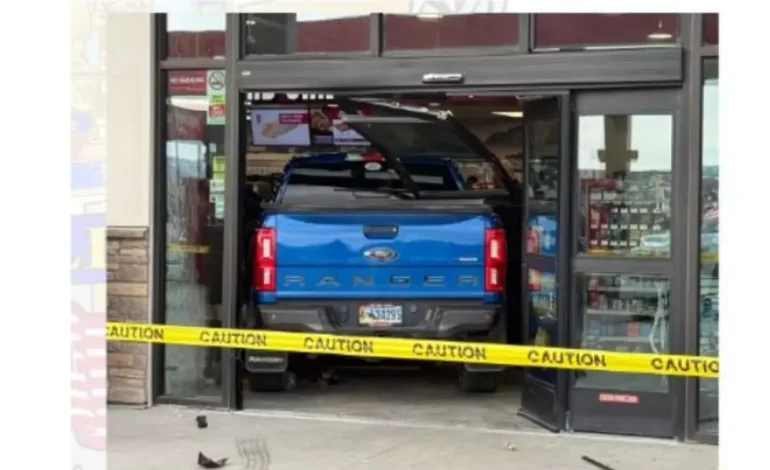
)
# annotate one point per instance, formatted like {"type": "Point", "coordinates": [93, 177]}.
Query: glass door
{"type": "Point", "coordinates": [626, 237]}
{"type": "Point", "coordinates": [545, 158]}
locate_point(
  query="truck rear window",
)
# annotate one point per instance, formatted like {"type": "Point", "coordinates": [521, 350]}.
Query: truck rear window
{"type": "Point", "coordinates": [323, 180]}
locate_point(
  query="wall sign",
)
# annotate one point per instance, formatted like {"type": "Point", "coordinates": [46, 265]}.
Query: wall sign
{"type": "Point", "coordinates": [215, 92]}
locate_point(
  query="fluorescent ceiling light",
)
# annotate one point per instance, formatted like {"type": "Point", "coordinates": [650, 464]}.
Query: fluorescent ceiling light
{"type": "Point", "coordinates": [509, 114]}
{"type": "Point", "coordinates": [659, 34]}
{"type": "Point", "coordinates": [193, 103]}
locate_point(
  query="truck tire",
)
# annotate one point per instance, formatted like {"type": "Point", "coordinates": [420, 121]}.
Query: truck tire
{"type": "Point", "coordinates": [478, 382]}
{"type": "Point", "coordinates": [271, 382]}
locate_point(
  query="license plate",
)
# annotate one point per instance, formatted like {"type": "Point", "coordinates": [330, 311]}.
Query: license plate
{"type": "Point", "coordinates": [380, 315]}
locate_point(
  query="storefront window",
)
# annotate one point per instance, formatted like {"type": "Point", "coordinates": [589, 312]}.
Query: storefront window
{"type": "Point", "coordinates": [427, 31]}
{"type": "Point", "coordinates": [709, 246]}
{"type": "Point", "coordinates": [194, 221]}
{"type": "Point", "coordinates": [195, 35]}
{"type": "Point", "coordinates": [306, 33]}
{"type": "Point", "coordinates": [711, 29]}
{"type": "Point", "coordinates": [624, 163]}
{"type": "Point", "coordinates": [601, 30]}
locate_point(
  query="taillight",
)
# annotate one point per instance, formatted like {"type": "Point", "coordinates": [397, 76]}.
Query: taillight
{"type": "Point", "coordinates": [494, 260]}
{"type": "Point", "coordinates": [264, 261]}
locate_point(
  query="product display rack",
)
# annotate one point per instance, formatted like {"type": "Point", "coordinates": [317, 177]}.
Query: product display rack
{"type": "Point", "coordinates": [619, 216]}
{"type": "Point", "coordinates": [626, 314]}
{"type": "Point", "coordinates": [623, 313]}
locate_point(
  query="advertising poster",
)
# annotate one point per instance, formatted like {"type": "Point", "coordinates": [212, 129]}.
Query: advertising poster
{"type": "Point", "coordinates": [280, 126]}
{"type": "Point", "coordinates": [541, 235]}
{"type": "Point", "coordinates": [327, 128]}
{"type": "Point", "coordinates": [215, 92]}
{"type": "Point", "coordinates": [184, 124]}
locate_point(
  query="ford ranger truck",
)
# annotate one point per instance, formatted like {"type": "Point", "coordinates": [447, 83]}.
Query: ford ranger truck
{"type": "Point", "coordinates": [383, 244]}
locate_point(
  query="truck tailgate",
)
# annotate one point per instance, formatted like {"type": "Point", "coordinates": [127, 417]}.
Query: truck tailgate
{"type": "Point", "coordinates": [345, 254]}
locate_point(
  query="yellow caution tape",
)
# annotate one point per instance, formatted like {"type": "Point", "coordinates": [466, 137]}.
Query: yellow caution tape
{"type": "Point", "coordinates": [428, 350]}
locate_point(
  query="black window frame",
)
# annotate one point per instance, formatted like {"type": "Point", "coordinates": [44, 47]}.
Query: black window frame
{"type": "Point", "coordinates": [605, 47]}
{"type": "Point", "coordinates": [699, 57]}
{"type": "Point", "coordinates": [160, 69]}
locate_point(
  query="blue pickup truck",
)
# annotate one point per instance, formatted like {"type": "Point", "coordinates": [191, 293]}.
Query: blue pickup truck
{"type": "Point", "coordinates": [387, 243]}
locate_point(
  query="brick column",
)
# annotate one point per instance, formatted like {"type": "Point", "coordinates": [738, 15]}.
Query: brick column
{"type": "Point", "coordinates": [127, 301]}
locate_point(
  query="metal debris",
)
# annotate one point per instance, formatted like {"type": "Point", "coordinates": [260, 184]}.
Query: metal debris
{"type": "Point", "coordinates": [596, 463]}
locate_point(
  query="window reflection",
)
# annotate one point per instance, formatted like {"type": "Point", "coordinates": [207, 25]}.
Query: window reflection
{"type": "Point", "coordinates": [194, 219]}
{"type": "Point", "coordinates": [308, 33]}
{"type": "Point", "coordinates": [624, 163]}
{"type": "Point", "coordinates": [558, 30]}
{"type": "Point", "coordinates": [711, 29]}
{"type": "Point", "coordinates": [446, 31]}
{"type": "Point", "coordinates": [709, 272]}
{"type": "Point", "coordinates": [195, 35]}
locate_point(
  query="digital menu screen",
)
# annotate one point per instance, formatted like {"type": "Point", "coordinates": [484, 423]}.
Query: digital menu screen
{"type": "Point", "coordinates": [318, 125]}
{"type": "Point", "coordinates": [327, 128]}
{"type": "Point", "coordinates": [280, 126]}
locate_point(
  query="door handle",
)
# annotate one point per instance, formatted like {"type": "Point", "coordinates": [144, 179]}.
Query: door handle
{"type": "Point", "coordinates": [380, 232]}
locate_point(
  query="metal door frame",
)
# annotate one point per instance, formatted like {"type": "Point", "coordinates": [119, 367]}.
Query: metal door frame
{"type": "Point", "coordinates": [235, 177]}
{"type": "Point", "coordinates": [666, 101]}
{"type": "Point", "coordinates": [541, 74]}
{"type": "Point", "coordinates": [562, 260]}
{"type": "Point", "coordinates": [235, 172]}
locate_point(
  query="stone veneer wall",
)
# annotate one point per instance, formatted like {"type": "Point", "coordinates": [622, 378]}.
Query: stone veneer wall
{"type": "Point", "coordinates": [128, 300]}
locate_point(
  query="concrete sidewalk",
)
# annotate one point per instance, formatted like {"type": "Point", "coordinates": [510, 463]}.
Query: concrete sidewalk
{"type": "Point", "coordinates": [166, 437]}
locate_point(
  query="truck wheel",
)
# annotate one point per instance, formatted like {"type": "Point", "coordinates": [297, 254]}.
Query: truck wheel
{"type": "Point", "coordinates": [478, 382]}
{"type": "Point", "coordinates": [271, 382]}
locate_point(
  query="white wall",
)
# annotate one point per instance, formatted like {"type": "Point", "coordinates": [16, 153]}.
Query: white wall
{"type": "Point", "coordinates": [129, 119]}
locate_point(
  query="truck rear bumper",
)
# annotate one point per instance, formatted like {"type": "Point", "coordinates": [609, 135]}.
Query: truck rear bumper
{"type": "Point", "coordinates": [428, 319]}
{"type": "Point", "coordinates": [424, 319]}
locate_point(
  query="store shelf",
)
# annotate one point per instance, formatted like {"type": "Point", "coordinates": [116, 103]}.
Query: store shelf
{"type": "Point", "coordinates": [610, 312]}
{"type": "Point", "coordinates": [624, 313]}
{"type": "Point", "coordinates": [617, 339]}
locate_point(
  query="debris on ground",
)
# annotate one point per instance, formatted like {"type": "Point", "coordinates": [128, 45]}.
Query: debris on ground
{"type": "Point", "coordinates": [596, 463]}
{"type": "Point", "coordinates": [205, 462]}
{"type": "Point", "coordinates": [511, 446]}
{"type": "Point", "coordinates": [202, 422]}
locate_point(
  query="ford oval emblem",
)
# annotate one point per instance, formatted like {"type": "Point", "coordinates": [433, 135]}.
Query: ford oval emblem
{"type": "Point", "coordinates": [380, 254]}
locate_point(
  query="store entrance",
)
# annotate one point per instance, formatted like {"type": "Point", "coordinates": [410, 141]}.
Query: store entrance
{"type": "Point", "coordinates": [515, 168]}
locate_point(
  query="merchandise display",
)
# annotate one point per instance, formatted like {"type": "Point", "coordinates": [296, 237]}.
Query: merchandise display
{"type": "Point", "coordinates": [541, 235]}
{"type": "Point", "coordinates": [627, 217]}
{"type": "Point", "coordinates": [626, 313]}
